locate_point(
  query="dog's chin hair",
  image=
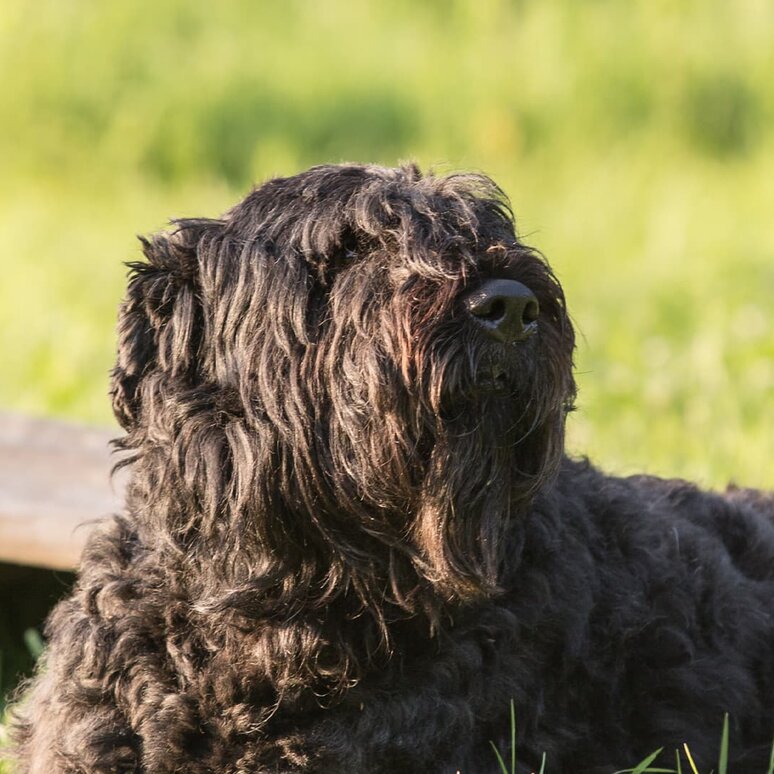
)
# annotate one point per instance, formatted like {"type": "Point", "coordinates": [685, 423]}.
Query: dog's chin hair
{"type": "Point", "coordinates": [479, 480]}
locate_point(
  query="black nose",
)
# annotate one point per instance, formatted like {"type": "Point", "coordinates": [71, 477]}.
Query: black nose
{"type": "Point", "coordinates": [505, 309]}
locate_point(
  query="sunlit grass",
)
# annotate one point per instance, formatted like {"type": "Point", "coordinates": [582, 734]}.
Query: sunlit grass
{"type": "Point", "coordinates": [634, 139]}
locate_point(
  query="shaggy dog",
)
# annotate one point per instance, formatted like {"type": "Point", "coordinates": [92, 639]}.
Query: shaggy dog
{"type": "Point", "coordinates": [352, 536]}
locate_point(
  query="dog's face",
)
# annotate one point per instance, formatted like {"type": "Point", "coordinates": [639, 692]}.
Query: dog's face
{"type": "Point", "coordinates": [358, 364]}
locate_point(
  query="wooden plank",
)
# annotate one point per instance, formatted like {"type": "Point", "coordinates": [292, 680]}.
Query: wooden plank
{"type": "Point", "coordinates": [54, 485]}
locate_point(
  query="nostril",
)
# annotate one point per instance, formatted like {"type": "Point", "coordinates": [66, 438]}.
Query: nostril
{"type": "Point", "coordinates": [493, 312]}
{"type": "Point", "coordinates": [531, 312]}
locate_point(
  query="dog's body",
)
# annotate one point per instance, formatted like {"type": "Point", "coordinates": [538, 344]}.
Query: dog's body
{"type": "Point", "coordinates": [352, 536]}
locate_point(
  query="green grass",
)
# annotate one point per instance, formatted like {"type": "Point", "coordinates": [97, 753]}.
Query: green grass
{"type": "Point", "coordinates": [635, 140]}
{"type": "Point", "coordinates": [645, 765]}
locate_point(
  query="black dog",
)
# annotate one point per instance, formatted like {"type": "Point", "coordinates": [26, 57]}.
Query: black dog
{"type": "Point", "coordinates": [352, 536]}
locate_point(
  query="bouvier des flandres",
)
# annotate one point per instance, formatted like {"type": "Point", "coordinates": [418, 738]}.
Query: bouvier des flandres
{"type": "Point", "coordinates": [352, 536]}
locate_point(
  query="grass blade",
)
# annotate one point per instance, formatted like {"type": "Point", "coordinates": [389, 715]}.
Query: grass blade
{"type": "Point", "coordinates": [643, 766]}
{"type": "Point", "coordinates": [690, 759]}
{"type": "Point", "coordinates": [543, 763]}
{"type": "Point", "coordinates": [771, 760]}
{"type": "Point", "coordinates": [646, 770]}
{"type": "Point", "coordinates": [513, 738]}
{"type": "Point", "coordinates": [513, 745]}
{"type": "Point", "coordinates": [499, 758]}
{"type": "Point", "coordinates": [723, 760]}
{"type": "Point", "coordinates": [34, 642]}
{"type": "Point", "coordinates": [679, 766]}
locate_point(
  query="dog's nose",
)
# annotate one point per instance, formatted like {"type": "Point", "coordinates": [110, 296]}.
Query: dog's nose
{"type": "Point", "coordinates": [505, 309]}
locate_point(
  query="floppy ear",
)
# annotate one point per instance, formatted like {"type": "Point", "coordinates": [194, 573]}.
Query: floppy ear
{"type": "Point", "coordinates": [160, 320]}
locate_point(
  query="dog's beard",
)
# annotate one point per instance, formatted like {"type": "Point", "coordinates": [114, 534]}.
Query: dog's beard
{"type": "Point", "coordinates": [498, 432]}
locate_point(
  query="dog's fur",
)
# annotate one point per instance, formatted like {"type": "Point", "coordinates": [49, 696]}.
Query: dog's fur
{"type": "Point", "coordinates": [347, 547]}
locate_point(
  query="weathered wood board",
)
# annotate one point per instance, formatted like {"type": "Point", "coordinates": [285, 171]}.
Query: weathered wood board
{"type": "Point", "coordinates": [54, 485]}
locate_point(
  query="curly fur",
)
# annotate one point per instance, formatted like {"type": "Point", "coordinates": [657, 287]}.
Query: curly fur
{"type": "Point", "coordinates": [344, 550]}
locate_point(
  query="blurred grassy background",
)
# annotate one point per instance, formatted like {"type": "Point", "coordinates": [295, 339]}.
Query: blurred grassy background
{"type": "Point", "coordinates": [636, 140]}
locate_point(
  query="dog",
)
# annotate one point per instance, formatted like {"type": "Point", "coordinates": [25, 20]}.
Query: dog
{"type": "Point", "coordinates": [352, 537]}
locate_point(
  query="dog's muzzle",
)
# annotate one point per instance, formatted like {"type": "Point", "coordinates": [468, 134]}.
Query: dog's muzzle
{"type": "Point", "coordinates": [504, 309]}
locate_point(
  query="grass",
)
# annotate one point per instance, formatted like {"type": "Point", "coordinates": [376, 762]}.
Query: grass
{"type": "Point", "coordinates": [635, 140]}
{"type": "Point", "coordinates": [644, 766]}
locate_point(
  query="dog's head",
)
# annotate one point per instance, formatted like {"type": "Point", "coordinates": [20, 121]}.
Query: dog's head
{"type": "Point", "coordinates": [358, 377]}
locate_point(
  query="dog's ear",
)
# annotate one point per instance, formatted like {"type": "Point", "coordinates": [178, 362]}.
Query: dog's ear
{"type": "Point", "coordinates": [160, 320]}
